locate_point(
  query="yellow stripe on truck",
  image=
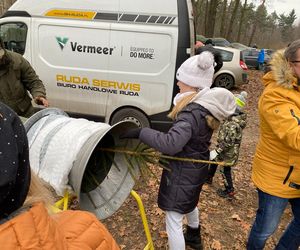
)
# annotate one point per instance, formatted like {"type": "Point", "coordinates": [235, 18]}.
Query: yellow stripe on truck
{"type": "Point", "coordinates": [86, 15]}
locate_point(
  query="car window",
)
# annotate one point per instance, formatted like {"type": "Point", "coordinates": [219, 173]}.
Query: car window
{"type": "Point", "coordinates": [226, 55]}
{"type": "Point", "coordinates": [14, 36]}
{"type": "Point", "coordinates": [269, 51]}
{"type": "Point", "coordinates": [246, 52]}
{"type": "Point", "coordinates": [239, 46]}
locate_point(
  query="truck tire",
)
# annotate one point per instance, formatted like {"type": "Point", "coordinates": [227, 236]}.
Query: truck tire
{"type": "Point", "coordinates": [130, 114]}
{"type": "Point", "coordinates": [224, 81]}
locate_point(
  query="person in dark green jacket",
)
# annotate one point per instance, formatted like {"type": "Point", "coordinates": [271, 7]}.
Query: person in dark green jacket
{"type": "Point", "coordinates": [17, 80]}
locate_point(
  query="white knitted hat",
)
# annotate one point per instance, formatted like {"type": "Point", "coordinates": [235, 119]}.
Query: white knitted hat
{"type": "Point", "coordinates": [197, 71]}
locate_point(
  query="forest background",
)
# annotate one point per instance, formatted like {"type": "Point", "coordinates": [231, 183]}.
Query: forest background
{"type": "Point", "coordinates": [244, 21]}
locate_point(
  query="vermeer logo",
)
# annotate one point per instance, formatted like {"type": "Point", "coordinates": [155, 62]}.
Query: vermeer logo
{"type": "Point", "coordinates": [81, 48]}
{"type": "Point", "coordinates": [62, 41]}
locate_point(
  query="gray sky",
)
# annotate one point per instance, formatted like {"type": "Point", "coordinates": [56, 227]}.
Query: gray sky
{"type": "Point", "coordinates": [283, 7]}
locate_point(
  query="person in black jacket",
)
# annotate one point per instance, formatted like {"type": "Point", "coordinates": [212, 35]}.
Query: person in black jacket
{"type": "Point", "coordinates": [217, 55]}
{"type": "Point", "coordinates": [196, 109]}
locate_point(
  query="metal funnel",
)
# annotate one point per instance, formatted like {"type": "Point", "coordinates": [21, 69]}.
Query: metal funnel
{"type": "Point", "coordinates": [102, 181]}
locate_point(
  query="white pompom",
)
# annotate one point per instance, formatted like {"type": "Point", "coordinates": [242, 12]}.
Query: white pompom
{"type": "Point", "coordinates": [205, 60]}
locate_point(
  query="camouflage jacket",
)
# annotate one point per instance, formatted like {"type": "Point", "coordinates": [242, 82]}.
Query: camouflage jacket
{"type": "Point", "coordinates": [230, 137]}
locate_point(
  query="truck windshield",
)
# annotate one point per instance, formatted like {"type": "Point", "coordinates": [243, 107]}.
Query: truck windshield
{"type": "Point", "coordinates": [14, 36]}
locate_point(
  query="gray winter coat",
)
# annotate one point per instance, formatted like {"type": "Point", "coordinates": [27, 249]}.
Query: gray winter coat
{"type": "Point", "coordinates": [189, 137]}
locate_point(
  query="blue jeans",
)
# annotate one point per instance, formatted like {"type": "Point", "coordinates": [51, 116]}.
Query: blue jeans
{"type": "Point", "coordinates": [270, 209]}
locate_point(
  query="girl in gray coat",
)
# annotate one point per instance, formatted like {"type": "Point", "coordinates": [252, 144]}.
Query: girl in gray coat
{"type": "Point", "coordinates": [197, 108]}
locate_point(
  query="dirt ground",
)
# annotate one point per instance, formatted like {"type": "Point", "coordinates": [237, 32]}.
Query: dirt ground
{"type": "Point", "coordinates": [225, 224]}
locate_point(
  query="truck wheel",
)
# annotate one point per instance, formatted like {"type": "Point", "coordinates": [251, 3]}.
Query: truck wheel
{"type": "Point", "coordinates": [224, 81]}
{"type": "Point", "coordinates": [129, 114]}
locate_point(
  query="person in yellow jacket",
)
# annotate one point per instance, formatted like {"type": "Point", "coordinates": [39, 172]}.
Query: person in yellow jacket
{"type": "Point", "coordinates": [276, 165]}
{"type": "Point", "coordinates": [25, 220]}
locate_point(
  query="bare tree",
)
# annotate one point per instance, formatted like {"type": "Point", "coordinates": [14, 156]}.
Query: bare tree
{"type": "Point", "coordinates": [198, 12]}
{"type": "Point", "coordinates": [4, 5]}
{"type": "Point", "coordinates": [241, 21]}
{"type": "Point", "coordinates": [233, 16]}
{"type": "Point", "coordinates": [206, 17]}
{"type": "Point", "coordinates": [224, 13]}
{"type": "Point", "coordinates": [259, 10]}
{"type": "Point", "coordinates": [212, 17]}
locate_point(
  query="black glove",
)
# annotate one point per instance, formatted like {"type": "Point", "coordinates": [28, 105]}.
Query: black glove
{"type": "Point", "coordinates": [133, 133]}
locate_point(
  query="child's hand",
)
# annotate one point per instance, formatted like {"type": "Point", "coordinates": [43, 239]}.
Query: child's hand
{"type": "Point", "coordinates": [213, 154]}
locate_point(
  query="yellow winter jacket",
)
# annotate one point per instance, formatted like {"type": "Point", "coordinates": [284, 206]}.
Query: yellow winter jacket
{"type": "Point", "coordinates": [276, 165]}
{"type": "Point", "coordinates": [69, 230]}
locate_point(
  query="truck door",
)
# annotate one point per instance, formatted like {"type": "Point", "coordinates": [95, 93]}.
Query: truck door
{"type": "Point", "coordinates": [71, 57]}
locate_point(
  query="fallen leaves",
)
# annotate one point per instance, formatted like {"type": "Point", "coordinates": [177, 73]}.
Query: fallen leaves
{"type": "Point", "coordinates": [163, 234]}
{"type": "Point", "coordinates": [216, 245]}
{"type": "Point", "coordinates": [236, 217]}
{"type": "Point", "coordinates": [158, 211]}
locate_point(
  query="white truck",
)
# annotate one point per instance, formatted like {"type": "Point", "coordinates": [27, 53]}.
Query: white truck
{"type": "Point", "coordinates": [109, 60]}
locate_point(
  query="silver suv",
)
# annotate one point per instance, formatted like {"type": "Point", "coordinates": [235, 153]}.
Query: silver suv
{"type": "Point", "coordinates": [234, 71]}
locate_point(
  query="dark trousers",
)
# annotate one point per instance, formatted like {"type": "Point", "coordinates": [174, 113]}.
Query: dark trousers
{"type": "Point", "coordinates": [261, 66]}
{"type": "Point", "coordinates": [226, 173]}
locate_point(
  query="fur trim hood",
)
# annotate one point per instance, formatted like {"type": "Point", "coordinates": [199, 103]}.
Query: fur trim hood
{"type": "Point", "coordinates": [281, 72]}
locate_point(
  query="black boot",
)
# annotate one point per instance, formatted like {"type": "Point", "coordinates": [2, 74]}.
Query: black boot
{"type": "Point", "coordinates": [192, 238]}
{"type": "Point", "coordinates": [226, 193]}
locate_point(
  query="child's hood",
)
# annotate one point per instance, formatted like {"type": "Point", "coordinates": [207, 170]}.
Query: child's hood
{"type": "Point", "coordinates": [219, 102]}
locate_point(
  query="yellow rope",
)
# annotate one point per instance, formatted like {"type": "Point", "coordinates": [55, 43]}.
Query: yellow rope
{"type": "Point", "coordinates": [62, 204]}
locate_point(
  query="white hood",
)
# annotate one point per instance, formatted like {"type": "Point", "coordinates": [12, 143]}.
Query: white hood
{"type": "Point", "coordinates": [219, 102]}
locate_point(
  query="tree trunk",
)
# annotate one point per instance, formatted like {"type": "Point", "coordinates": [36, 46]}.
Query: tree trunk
{"type": "Point", "coordinates": [252, 35]}
{"type": "Point", "coordinates": [4, 5]}
{"type": "Point", "coordinates": [233, 16]}
{"type": "Point", "coordinates": [255, 22]}
{"type": "Point", "coordinates": [241, 21]}
{"type": "Point", "coordinates": [212, 17]}
{"type": "Point", "coordinates": [222, 28]}
{"type": "Point", "coordinates": [206, 17]}
{"type": "Point", "coordinates": [197, 6]}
